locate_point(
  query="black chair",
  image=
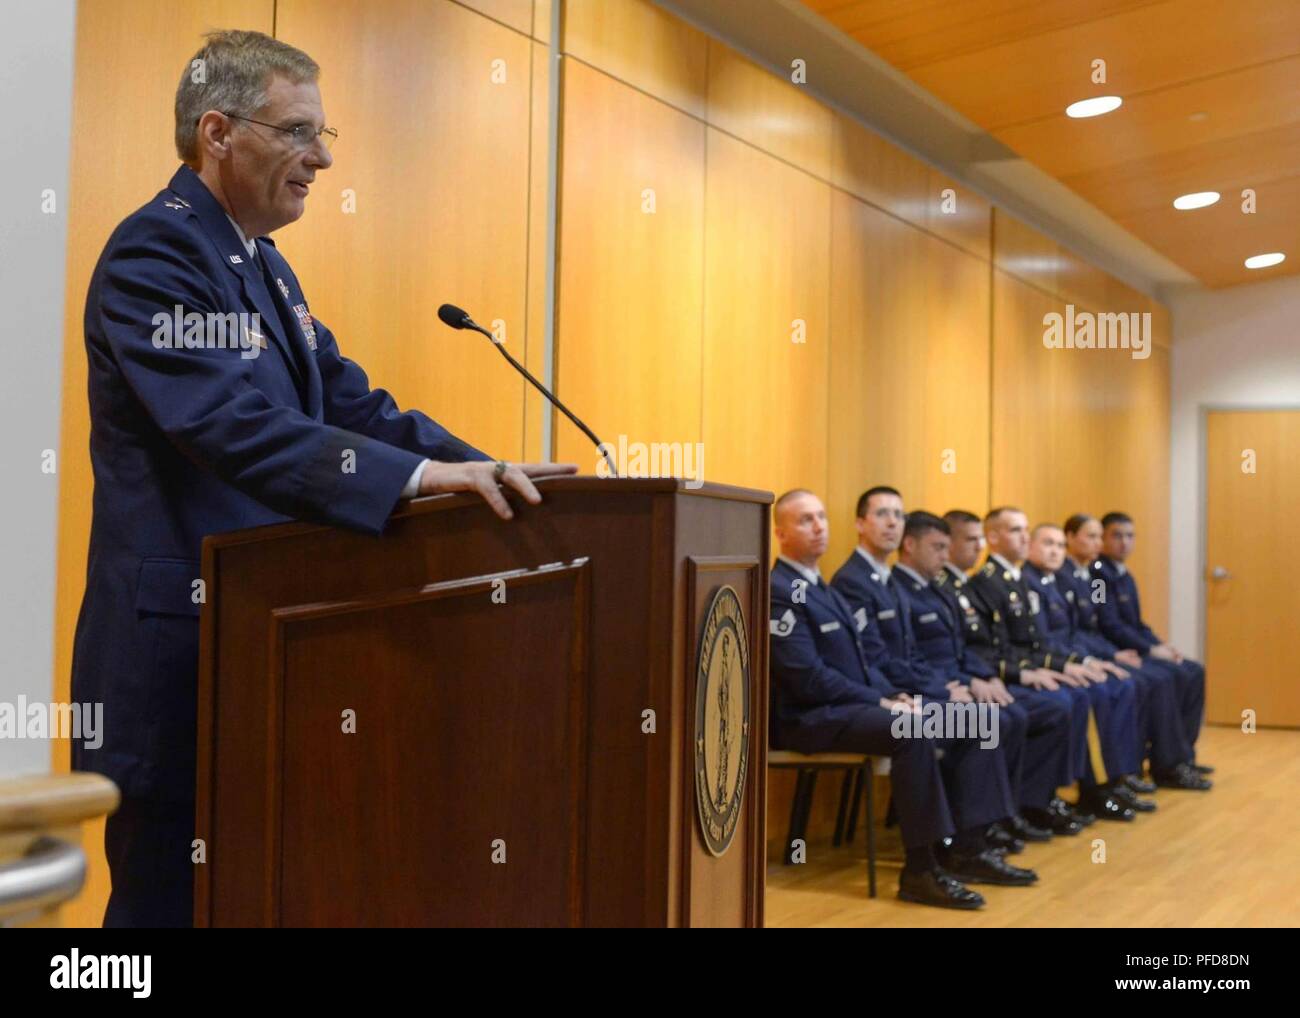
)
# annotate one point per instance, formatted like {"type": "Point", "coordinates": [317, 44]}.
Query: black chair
{"type": "Point", "coordinates": [857, 778]}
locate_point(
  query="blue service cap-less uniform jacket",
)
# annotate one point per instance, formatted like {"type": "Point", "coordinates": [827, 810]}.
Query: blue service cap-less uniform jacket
{"type": "Point", "coordinates": [205, 436]}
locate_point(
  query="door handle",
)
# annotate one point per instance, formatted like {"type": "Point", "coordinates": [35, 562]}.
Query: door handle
{"type": "Point", "coordinates": [1219, 573]}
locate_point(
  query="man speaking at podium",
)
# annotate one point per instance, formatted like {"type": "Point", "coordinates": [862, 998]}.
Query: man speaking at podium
{"type": "Point", "coordinates": [218, 402]}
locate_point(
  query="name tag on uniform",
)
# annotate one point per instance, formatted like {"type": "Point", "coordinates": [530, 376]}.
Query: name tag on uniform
{"type": "Point", "coordinates": [829, 627]}
{"type": "Point", "coordinates": [861, 616]}
{"type": "Point", "coordinates": [928, 617]}
{"type": "Point", "coordinates": [888, 613]}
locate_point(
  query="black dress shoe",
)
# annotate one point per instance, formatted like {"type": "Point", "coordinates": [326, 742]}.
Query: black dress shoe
{"type": "Point", "coordinates": [1184, 777]}
{"type": "Point", "coordinates": [1026, 831]}
{"type": "Point", "coordinates": [985, 868]}
{"type": "Point", "coordinates": [935, 887]}
{"type": "Point", "coordinates": [1105, 806]}
{"type": "Point", "coordinates": [998, 838]}
{"type": "Point", "coordinates": [1057, 823]}
{"type": "Point", "coordinates": [1138, 785]}
{"type": "Point", "coordinates": [1122, 793]}
{"type": "Point", "coordinates": [1078, 814]}
{"type": "Point", "coordinates": [1202, 768]}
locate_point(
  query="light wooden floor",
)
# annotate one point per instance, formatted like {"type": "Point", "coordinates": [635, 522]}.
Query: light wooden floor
{"type": "Point", "coordinates": [1229, 857]}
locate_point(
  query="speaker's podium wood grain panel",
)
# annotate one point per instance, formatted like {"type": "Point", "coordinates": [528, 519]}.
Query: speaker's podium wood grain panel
{"type": "Point", "coordinates": [403, 800]}
{"type": "Point", "coordinates": [475, 721]}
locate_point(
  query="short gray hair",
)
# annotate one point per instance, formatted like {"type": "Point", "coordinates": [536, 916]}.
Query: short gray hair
{"type": "Point", "coordinates": [230, 74]}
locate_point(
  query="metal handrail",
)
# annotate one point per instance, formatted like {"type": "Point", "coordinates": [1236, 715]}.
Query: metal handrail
{"type": "Point", "coordinates": [50, 872]}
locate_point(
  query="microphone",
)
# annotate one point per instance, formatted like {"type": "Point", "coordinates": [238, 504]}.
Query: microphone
{"type": "Point", "coordinates": [457, 319]}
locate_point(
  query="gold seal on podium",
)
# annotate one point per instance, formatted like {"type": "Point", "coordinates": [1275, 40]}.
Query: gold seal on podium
{"type": "Point", "coordinates": [722, 715]}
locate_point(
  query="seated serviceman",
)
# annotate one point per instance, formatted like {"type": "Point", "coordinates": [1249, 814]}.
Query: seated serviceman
{"type": "Point", "coordinates": [1037, 739]}
{"type": "Point", "coordinates": [825, 698]}
{"type": "Point", "coordinates": [1113, 696]}
{"type": "Point", "coordinates": [1121, 621]}
{"type": "Point", "coordinates": [998, 593]}
{"type": "Point", "coordinates": [1160, 730]}
{"type": "Point", "coordinates": [866, 582]}
{"type": "Point", "coordinates": [1050, 710]}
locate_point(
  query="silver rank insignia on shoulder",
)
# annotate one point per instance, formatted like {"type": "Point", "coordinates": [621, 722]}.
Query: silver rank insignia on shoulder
{"type": "Point", "coordinates": [284, 290]}
{"type": "Point", "coordinates": [175, 201]}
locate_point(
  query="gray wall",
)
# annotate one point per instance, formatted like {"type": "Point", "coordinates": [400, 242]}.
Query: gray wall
{"type": "Point", "coordinates": [36, 61]}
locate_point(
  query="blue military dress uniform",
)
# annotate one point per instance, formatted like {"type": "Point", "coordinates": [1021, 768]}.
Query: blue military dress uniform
{"type": "Point", "coordinates": [888, 638]}
{"type": "Point", "coordinates": [943, 616]}
{"type": "Point", "coordinates": [890, 644]}
{"type": "Point", "coordinates": [191, 437]}
{"type": "Point", "coordinates": [1009, 640]}
{"type": "Point", "coordinates": [1114, 702]}
{"type": "Point", "coordinates": [1121, 622]}
{"type": "Point", "coordinates": [826, 698]}
{"type": "Point", "coordinates": [1159, 725]}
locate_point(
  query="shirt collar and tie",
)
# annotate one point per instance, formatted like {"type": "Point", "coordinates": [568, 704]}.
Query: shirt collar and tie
{"type": "Point", "coordinates": [881, 570]}
{"type": "Point", "coordinates": [811, 575]}
{"type": "Point", "coordinates": [1013, 570]}
{"type": "Point", "coordinates": [249, 245]}
{"type": "Point", "coordinates": [911, 574]}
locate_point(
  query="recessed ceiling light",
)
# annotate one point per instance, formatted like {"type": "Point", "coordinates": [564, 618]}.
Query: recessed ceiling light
{"type": "Point", "coordinates": [1198, 200]}
{"type": "Point", "coordinates": [1093, 107]}
{"type": "Point", "coordinates": [1265, 260]}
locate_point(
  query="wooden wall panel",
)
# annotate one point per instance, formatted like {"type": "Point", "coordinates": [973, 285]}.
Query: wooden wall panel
{"type": "Point", "coordinates": [643, 45]}
{"type": "Point", "coordinates": [909, 368]}
{"type": "Point", "coordinates": [434, 221]}
{"type": "Point", "coordinates": [963, 218]}
{"type": "Point", "coordinates": [767, 229]}
{"type": "Point", "coordinates": [1021, 251]}
{"type": "Point", "coordinates": [516, 14]}
{"type": "Point", "coordinates": [948, 382]}
{"type": "Point", "coordinates": [750, 102]}
{"type": "Point", "coordinates": [631, 286]}
{"type": "Point", "coordinates": [129, 56]}
{"type": "Point", "coordinates": [1136, 444]}
{"type": "Point", "coordinates": [538, 244]}
{"type": "Point", "coordinates": [542, 14]}
{"type": "Point", "coordinates": [1023, 464]}
{"type": "Point", "coordinates": [865, 164]}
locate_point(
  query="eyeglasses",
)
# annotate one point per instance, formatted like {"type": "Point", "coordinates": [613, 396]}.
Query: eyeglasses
{"type": "Point", "coordinates": [302, 134]}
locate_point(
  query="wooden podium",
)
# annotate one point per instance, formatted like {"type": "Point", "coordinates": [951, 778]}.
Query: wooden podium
{"type": "Point", "coordinates": [478, 722]}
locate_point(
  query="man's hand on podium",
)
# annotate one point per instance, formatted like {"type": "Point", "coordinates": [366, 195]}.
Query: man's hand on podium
{"type": "Point", "coordinates": [483, 476]}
